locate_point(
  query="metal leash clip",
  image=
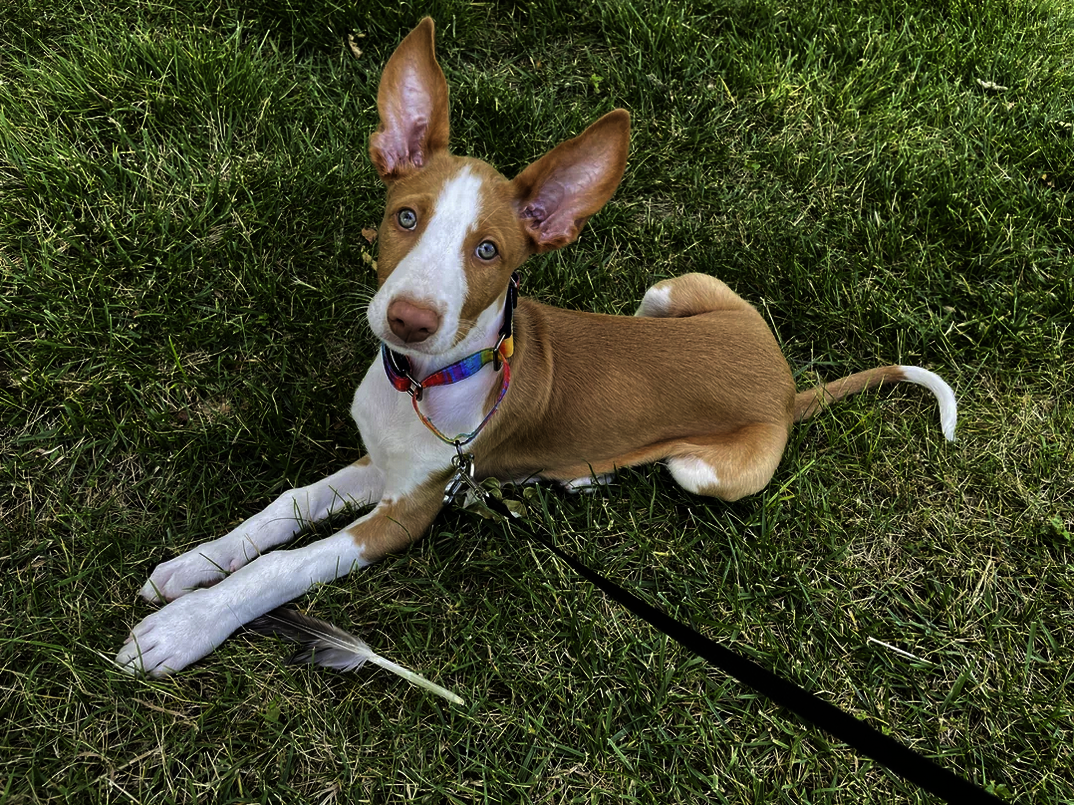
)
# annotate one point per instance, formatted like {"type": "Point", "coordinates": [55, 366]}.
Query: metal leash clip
{"type": "Point", "coordinates": [463, 479]}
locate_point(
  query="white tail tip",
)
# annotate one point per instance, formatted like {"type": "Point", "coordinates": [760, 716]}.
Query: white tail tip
{"type": "Point", "coordinates": [944, 396]}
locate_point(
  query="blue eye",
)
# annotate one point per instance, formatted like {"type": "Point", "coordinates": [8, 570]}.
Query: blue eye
{"type": "Point", "coordinates": [486, 250]}
{"type": "Point", "coordinates": [407, 218]}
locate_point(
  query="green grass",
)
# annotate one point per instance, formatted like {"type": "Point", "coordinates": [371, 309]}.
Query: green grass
{"type": "Point", "coordinates": [182, 284]}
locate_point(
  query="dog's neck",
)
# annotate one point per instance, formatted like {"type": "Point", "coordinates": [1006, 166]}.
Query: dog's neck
{"type": "Point", "coordinates": [483, 335]}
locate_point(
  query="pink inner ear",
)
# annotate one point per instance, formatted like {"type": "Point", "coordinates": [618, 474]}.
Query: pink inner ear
{"type": "Point", "coordinates": [417, 137]}
{"type": "Point", "coordinates": [559, 192]}
{"type": "Point", "coordinates": [401, 146]}
{"type": "Point", "coordinates": [406, 124]}
{"type": "Point", "coordinates": [413, 106]}
{"type": "Point", "coordinates": [551, 216]}
{"type": "Point", "coordinates": [561, 207]}
{"type": "Point", "coordinates": [545, 204]}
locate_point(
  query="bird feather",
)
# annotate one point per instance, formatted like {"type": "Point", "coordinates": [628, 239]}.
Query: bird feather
{"type": "Point", "coordinates": [322, 643]}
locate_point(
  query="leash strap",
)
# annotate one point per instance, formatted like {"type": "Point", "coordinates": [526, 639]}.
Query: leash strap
{"type": "Point", "coordinates": [852, 731]}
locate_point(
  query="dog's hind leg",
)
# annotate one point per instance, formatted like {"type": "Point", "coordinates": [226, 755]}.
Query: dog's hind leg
{"type": "Point", "coordinates": [731, 465]}
{"type": "Point", "coordinates": [689, 295]}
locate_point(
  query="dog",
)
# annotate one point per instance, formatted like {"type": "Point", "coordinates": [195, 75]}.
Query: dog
{"type": "Point", "coordinates": [695, 379]}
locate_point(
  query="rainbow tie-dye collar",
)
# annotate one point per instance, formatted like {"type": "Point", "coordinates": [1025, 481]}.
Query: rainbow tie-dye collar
{"type": "Point", "coordinates": [397, 368]}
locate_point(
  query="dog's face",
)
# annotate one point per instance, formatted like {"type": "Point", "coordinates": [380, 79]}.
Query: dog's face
{"type": "Point", "coordinates": [454, 228]}
{"type": "Point", "coordinates": [449, 241]}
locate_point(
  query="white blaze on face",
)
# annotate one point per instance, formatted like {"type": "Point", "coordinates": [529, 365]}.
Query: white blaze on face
{"type": "Point", "coordinates": [433, 274]}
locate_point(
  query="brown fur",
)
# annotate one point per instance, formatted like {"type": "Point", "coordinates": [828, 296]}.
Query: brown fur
{"type": "Point", "coordinates": [808, 403]}
{"type": "Point", "coordinates": [595, 391]}
{"type": "Point", "coordinates": [698, 377]}
{"type": "Point", "coordinates": [395, 523]}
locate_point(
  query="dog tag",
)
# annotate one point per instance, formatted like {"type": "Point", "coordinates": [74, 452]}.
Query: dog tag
{"type": "Point", "coordinates": [463, 479]}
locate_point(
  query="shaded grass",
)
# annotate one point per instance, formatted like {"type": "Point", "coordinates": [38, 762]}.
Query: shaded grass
{"type": "Point", "coordinates": [182, 282]}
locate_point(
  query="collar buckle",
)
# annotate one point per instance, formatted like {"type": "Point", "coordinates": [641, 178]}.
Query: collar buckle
{"type": "Point", "coordinates": [498, 353]}
{"type": "Point", "coordinates": [416, 390]}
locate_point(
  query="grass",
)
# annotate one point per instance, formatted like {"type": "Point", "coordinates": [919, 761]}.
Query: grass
{"type": "Point", "coordinates": [183, 188]}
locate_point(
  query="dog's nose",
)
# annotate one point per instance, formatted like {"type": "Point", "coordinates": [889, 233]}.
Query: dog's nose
{"type": "Point", "coordinates": [412, 323]}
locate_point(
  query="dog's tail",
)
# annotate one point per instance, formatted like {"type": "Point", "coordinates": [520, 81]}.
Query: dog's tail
{"type": "Point", "coordinates": [808, 403]}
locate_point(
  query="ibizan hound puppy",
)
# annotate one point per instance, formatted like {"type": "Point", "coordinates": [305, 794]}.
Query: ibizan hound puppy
{"type": "Point", "coordinates": [695, 379]}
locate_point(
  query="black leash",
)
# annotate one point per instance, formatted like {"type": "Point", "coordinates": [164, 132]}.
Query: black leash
{"type": "Point", "coordinates": [852, 731]}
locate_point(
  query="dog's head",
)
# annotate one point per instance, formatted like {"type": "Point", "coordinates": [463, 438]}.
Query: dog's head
{"type": "Point", "coordinates": [454, 228]}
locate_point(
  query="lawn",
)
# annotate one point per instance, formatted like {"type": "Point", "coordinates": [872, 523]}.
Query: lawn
{"type": "Point", "coordinates": [185, 199]}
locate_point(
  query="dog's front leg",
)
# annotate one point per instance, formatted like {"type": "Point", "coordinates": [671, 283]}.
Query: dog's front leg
{"type": "Point", "coordinates": [360, 484]}
{"type": "Point", "coordinates": [191, 626]}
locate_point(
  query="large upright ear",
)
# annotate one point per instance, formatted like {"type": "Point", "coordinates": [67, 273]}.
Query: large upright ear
{"type": "Point", "coordinates": [413, 106]}
{"type": "Point", "coordinates": [557, 193]}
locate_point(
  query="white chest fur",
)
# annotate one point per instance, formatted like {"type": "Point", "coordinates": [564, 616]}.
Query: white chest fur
{"type": "Point", "coordinates": [398, 442]}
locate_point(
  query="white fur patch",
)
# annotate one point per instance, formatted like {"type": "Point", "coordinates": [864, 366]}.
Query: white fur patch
{"type": "Point", "coordinates": [656, 302]}
{"type": "Point", "coordinates": [433, 273]}
{"type": "Point", "coordinates": [944, 396]}
{"type": "Point", "coordinates": [398, 443]}
{"type": "Point", "coordinates": [190, 627]}
{"type": "Point", "coordinates": [694, 475]}
{"type": "Point", "coordinates": [288, 515]}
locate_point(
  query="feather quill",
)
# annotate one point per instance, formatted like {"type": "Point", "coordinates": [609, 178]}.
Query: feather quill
{"type": "Point", "coordinates": [325, 644]}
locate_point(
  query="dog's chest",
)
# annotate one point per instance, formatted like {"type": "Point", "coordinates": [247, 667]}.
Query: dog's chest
{"type": "Point", "coordinates": [398, 441]}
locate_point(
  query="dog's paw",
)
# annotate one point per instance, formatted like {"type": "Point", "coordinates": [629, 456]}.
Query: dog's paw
{"type": "Point", "coordinates": [173, 637]}
{"type": "Point", "coordinates": [203, 566]}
